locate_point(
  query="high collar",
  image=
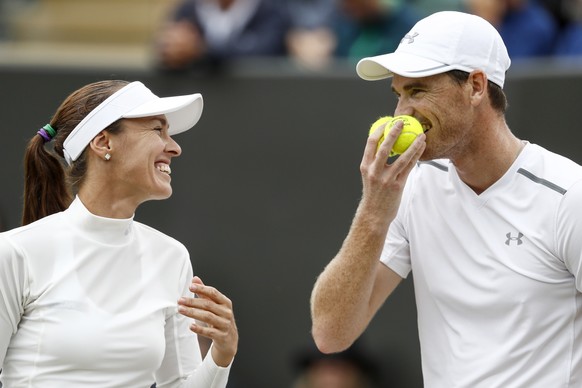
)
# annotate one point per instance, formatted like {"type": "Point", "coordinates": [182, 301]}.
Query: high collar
{"type": "Point", "coordinates": [110, 231]}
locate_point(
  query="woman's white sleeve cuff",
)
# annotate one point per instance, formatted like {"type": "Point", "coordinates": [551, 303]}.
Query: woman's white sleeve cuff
{"type": "Point", "coordinates": [208, 374]}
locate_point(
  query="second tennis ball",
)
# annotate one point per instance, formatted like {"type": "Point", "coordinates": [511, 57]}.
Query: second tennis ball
{"type": "Point", "coordinates": [410, 130]}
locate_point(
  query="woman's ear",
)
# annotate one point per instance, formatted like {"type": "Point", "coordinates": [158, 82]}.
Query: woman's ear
{"type": "Point", "coordinates": [101, 146]}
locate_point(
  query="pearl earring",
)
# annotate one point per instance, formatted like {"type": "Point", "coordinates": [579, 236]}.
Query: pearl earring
{"type": "Point", "coordinates": [107, 156]}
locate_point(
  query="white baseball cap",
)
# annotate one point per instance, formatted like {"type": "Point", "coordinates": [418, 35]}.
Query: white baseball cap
{"type": "Point", "coordinates": [132, 101]}
{"type": "Point", "coordinates": [441, 42]}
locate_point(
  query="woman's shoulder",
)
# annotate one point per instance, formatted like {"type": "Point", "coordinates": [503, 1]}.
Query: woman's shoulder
{"type": "Point", "coordinates": [43, 228]}
{"type": "Point", "coordinates": [155, 236]}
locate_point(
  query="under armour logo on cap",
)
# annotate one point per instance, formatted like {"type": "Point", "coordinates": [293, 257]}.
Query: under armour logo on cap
{"type": "Point", "coordinates": [443, 41]}
{"type": "Point", "coordinates": [409, 38]}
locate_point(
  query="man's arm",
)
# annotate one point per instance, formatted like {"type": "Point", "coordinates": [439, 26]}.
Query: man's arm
{"type": "Point", "coordinates": [343, 306]}
{"type": "Point", "coordinates": [355, 283]}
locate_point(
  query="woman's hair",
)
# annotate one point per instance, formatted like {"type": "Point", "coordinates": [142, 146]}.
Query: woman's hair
{"type": "Point", "coordinates": [48, 186]}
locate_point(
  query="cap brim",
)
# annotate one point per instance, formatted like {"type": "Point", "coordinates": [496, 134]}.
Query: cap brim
{"type": "Point", "coordinates": [182, 112]}
{"type": "Point", "coordinates": [406, 65]}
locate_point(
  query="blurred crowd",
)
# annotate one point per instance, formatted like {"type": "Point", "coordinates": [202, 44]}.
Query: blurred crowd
{"type": "Point", "coordinates": [314, 32]}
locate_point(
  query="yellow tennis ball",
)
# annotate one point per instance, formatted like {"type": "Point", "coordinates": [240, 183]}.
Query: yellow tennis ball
{"type": "Point", "coordinates": [381, 121]}
{"type": "Point", "coordinates": [410, 130]}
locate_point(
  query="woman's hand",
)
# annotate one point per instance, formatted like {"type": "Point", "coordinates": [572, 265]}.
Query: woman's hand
{"type": "Point", "coordinates": [214, 319]}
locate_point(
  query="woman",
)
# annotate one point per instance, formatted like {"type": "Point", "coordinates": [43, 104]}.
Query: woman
{"type": "Point", "coordinates": [88, 296]}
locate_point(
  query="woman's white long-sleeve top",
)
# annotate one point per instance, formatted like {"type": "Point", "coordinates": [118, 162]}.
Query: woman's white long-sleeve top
{"type": "Point", "coordinates": [87, 301]}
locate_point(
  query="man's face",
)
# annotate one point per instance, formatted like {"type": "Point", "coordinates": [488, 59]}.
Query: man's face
{"type": "Point", "coordinates": [443, 108]}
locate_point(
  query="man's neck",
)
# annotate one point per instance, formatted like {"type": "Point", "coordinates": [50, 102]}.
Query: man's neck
{"type": "Point", "coordinates": [484, 166]}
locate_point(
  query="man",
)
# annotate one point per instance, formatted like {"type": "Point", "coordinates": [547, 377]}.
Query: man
{"type": "Point", "coordinates": [489, 225]}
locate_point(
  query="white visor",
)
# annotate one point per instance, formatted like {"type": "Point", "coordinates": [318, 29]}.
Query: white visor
{"type": "Point", "coordinates": [133, 101]}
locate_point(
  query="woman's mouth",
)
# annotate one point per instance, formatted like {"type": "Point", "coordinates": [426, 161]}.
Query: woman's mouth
{"type": "Point", "coordinates": [164, 167]}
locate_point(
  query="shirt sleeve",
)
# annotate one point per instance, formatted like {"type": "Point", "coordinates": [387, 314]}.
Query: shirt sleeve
{"type": "Point", "coordinates": [182, 365]}
{"type": "Point", "coordinates": [569, 230]}
{"type": "Point", "coordinates": [208, 374]}
{"type": "Point", "coordinates": [12, 277]}
{"type": "Point", "coordinates": [396, 252]}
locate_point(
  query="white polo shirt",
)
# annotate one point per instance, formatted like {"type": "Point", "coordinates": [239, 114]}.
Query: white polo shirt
{"type": "Point", "coordinates": [497, 275]}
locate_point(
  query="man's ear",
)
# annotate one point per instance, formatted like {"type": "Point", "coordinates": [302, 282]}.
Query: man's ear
{"type": "Point", "coordinates": [101, 144]}
{"type": "Point", "coordinates": [478, 82]}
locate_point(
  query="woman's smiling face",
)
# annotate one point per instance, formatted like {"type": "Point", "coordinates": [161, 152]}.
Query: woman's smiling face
{"type": "Point", "coordinates": [141, 154]}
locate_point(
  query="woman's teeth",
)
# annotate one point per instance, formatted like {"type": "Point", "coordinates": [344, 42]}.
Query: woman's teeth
{"type": "Point", "coordinates": [164, 168]}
